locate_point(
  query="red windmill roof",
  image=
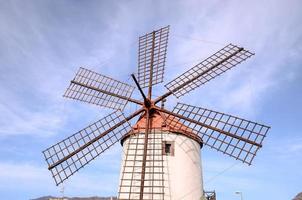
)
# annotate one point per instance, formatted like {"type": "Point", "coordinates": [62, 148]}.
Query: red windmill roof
{"type": "Point", "coordinates": [158, 122]}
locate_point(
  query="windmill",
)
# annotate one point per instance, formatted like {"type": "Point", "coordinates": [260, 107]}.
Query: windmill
{"type": "Point", "coordinates": [162, 150]}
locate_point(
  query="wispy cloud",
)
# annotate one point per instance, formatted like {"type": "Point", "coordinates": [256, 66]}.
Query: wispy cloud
{"type": "Point", "coordinates": [285, 148]}
{"type": "Point", "coordinates": [243, 89]}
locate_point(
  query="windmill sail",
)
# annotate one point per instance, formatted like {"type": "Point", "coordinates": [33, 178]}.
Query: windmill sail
{"type": "Point", "coordinates": [223, 60]}
{"type": "Point", "coordinates": [234, 136]}
{"type": "Point", "coordinates": [94, 88]}
{"type": "Point", "coordinates": [152, 52]}
{"type": "Point", "coordinates": [71, 154]}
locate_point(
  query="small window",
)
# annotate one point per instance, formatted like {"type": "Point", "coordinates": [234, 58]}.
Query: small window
{"type": "Point", "coordinates": [168, 148]}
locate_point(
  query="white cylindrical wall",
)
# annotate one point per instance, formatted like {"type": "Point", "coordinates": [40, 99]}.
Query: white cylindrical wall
{"type": "Point", "coordinates": [182, 171]}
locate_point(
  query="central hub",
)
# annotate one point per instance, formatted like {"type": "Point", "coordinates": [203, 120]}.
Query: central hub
{"type": "Point", "coordinates": [147, 103]}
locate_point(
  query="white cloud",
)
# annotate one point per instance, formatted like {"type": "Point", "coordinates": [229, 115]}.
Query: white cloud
{"type": "Point", "coordinates": [285, 148]}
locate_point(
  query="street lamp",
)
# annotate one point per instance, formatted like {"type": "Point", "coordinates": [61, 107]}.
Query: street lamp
{"type": "Point", "coordinates": [241, 196]}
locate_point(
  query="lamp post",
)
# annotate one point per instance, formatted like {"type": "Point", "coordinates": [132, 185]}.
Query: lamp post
{"type": "Point", "coordinates": [240, 193]}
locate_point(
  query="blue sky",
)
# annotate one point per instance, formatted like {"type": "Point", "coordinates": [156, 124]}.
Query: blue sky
{"type": "Point", "coordinates": [43, 43]}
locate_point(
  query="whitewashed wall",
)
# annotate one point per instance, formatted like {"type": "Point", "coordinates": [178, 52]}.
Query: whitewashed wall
{"type": "Point", "coordinates": [182, 172]}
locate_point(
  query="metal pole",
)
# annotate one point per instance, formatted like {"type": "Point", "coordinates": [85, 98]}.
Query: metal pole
{"type": "Point", "coordinates": [241, 195]}
{"type": "Point", "coordinates": [139, 87]}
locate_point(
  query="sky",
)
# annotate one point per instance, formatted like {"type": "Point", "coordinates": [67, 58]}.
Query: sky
{"type": "Point", "coordinates": [43, 43]}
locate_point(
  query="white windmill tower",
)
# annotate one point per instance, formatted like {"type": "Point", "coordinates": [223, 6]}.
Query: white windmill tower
{"type": "Point", "coordinates": [162, 150]}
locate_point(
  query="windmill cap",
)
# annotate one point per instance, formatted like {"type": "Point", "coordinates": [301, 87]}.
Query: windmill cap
{"type": "Point", "coordinates": [158, 122]}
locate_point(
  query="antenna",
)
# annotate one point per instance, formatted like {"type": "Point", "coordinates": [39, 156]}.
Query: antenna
{"type": "Point", "coordinates": [234, 136]}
